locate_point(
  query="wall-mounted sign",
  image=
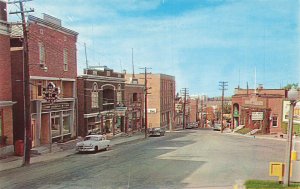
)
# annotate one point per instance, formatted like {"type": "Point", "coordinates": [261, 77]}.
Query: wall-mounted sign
{"type": "Point", "coordinates": [151, 110]}
{"type": "Point", "coordinates": [257, 116]}
{"type": "Point", "coordinates": [254, 101]}
{"type": "Point", "coordinates": [56, 106]}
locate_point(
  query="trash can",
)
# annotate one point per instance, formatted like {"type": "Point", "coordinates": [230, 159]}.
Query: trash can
{"type": "Point", "coordinates": [19, 148]}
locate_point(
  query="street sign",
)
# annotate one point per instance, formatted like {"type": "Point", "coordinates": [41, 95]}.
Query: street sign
{"type": "Point", "coordinates": [121, 108]}
{"type": "Point", "coordinates": [257, 116]}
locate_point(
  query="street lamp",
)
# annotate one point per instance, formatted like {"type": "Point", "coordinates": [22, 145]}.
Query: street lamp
{"type": "Point", "coordinates": [293, 97]}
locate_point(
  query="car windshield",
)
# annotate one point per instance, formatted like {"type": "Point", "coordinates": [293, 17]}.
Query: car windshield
{"type": "Point", "coordinates": [91, 138]}
{"type": "Point", "coordinates": [149, 94]}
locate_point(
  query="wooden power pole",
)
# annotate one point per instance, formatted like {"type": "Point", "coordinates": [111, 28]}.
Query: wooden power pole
{"type": "Point", "coordinates": [222, 84]}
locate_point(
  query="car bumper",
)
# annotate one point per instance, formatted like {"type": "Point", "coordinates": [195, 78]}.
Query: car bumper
{"type": "Point", "coordinates": [85, 149]}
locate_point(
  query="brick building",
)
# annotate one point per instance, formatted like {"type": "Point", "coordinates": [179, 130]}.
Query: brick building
{"type": "Point", "coordinates": [52, 58]}
{"type": "Point", "coordinates": [194, 109]}
{"type": "Point", "coordinates": [101, 107]}
{"type": "Point", "coordinates": [258, 109]}
{"type": "Point", "coordinates": [134, 101]}
{"type": "Point", "coordinates": [6, 104]}
{"type": "Point", "coordinates": [161, 100]}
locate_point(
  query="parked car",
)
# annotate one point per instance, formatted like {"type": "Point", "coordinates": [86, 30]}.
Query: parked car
{"type": "Point", "coordinates": [217, 127]}
{"type": "Point", "coordinates": [157, 131]}
{"type": "Point", "coordinates": [93, 143]}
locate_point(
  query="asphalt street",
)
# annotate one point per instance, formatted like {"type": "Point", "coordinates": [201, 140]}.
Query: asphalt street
{"type": "Point", "coordinates": [183, 159]}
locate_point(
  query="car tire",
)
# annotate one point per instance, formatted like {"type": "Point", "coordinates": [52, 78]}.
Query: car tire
{"type": "Point", "coordinates": [96, 149]}
{"type": "Point", "coordinates": [106, 149]}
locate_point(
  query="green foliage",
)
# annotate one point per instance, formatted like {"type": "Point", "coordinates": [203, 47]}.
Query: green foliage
{"type": "Point", "coordinates": [244, 131]}
{"type": "Point", "coordinates": [260, 184]}
{"type": "Point", "coordinates": [290, 85]}
{"type": "Point", "coordinates": [284, 126]}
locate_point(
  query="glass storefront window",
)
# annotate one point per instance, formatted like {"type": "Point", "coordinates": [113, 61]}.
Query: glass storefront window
{"type": "Point", "coordinates": [66, 124]}
{"type": "Point", "coordinates": [55, 127]}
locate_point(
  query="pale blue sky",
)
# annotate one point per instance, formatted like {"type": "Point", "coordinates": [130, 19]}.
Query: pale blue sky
{"type": "Point", "coordinates": [200, 42]}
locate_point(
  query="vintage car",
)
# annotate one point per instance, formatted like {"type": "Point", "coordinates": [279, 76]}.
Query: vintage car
{"type": "Point", "coordinates": [157, 131]}
{"type": "Point", "coordinates": [93, 143]}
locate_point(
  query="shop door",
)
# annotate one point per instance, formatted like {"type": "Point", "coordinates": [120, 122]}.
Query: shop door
{"type": "Point", "coordinates": [33, 132]}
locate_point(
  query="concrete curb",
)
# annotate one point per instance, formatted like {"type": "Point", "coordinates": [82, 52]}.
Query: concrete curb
{"type": "Point", "coordinates": [261, 137]}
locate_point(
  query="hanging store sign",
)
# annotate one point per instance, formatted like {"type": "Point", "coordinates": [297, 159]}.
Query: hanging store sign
{"type": "Point", "coordinates": [56, 106]}
{"type": "Point", "coordinates": [257, 116]}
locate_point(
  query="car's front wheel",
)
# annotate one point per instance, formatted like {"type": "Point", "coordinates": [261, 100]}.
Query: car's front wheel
{"type": "Point", "coordinates": [96, 149]}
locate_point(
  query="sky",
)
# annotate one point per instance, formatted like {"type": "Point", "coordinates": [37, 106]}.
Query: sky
{"type": "Point", "coordinates": [200, 42]}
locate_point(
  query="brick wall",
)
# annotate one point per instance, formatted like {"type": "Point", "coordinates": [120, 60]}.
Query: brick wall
{"type": "Point", "coordinates": [3, 13]}
{"type": "Point", "coordinates": [5, 71]}
{"type": "Point", "coordinates": [276, 105]}
{"type": "Point", "coordinates": [17, 87]}
{"type": "Point", "coordinates": [8, 124]}
{"type": "Point", "coordinates": [54, 43]}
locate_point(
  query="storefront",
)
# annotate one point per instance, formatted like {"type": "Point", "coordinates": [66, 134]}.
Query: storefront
{"type": "Point", "coordinates": [53, 122]}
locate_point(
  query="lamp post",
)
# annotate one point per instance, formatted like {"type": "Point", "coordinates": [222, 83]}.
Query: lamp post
{"type": "Point", "coordinates": [292, 96]}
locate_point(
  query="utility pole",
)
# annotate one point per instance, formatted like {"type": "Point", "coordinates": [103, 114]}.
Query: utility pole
{"type": "Point", "coordinates": [27, 114]}
{"type": "Point", "coordinates": [146, 98]}
{"type": "Point", "coordinates": [86, 59]}
{"type": "Point", "coordinates": [222, 84]}
{"type": "Point", "coordinates": [202, 123]}
{"type": "Point", "coordinates": [184, 90]}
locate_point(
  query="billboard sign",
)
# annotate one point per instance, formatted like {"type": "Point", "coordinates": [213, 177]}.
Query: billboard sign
{"type": "Point", "coordinates": [286, 109]}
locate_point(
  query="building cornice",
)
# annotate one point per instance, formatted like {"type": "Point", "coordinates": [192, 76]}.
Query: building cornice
{"type": "Point", "coordinates": [4, 28]}
{"type": "Point", "coordinates": [49, 24]}
{"type": "Point", "coordinates": [51, 78]}
{"type": "Point", "coordinates": [6, 103]}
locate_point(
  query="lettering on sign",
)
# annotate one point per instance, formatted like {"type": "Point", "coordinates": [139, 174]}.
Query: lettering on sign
{"type": "Point", "coordinates": [257, 116]}
{"type": "Point", "coordinates": [151, 110]}
{"type": "Point", "coordinates": [55, 106]}
{"type": "Point", "coordinates": [254, 101]}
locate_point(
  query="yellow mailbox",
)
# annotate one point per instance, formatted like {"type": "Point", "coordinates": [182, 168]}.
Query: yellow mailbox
{"type": "Point", "coordinates": [277, 170]}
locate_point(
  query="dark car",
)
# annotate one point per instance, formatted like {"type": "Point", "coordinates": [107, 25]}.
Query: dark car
{"type": "Point", "coordinates": [217, 127]}
{"type": "Point", "coordinates": [157, 131]}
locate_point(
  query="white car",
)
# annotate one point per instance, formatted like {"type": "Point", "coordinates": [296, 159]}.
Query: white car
{"type": "Point", "coordinates": [93, 143]}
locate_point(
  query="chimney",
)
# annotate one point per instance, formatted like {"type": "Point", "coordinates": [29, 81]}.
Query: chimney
{"type": "Point", "coordinates": [3, 10]}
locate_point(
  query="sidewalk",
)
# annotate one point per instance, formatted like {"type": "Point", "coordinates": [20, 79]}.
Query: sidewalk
{"type": "Point", "coordinates": [260, 136]}
{"type": "Point", "coordinates": [11, 162]}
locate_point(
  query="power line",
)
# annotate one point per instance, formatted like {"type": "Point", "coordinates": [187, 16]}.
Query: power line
{"type": "Point", "coordinates": [146, 98]}
{"type": "Point", "coordinates": [27, 113]}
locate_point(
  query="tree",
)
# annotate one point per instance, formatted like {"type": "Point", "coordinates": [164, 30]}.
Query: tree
{"type": "Point", "coordinates": [290, 85]}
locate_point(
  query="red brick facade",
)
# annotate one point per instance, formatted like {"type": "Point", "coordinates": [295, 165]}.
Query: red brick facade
{"type": "Point", "coordinates": [260, 110]}
{"type": "Point", "coordinates": [6, 104]}
{"type": "Point", "coordinates": [53, 47]}
{"type": "Point", "coordinates": [134, 101]}
{"type": "Point", "coordinates": [99, 92]}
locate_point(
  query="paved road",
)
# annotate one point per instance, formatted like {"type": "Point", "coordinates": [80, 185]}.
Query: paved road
{"type": "Point", "coordinates": [186, 159]}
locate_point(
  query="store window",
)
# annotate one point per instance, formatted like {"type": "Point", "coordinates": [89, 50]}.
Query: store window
{"type": "Point", "coordinates": [275, 121]}
{"type": "Point", "coordinates": [66, 124]}
{"type": "Point", "coordinates": [55, 124]}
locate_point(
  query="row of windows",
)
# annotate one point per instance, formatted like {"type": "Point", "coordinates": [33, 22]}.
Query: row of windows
{"type": "Point", "coordinates": [42, 56]}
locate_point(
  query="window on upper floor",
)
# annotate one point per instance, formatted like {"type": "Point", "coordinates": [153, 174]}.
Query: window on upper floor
{"type": "Point", "coordinates": [41, 53]}
{"type": "Point", "coordinates": [135, 97]}
{"type": "Point", "coordinates": [65, 59]}
{"type": "Point", "coordinates": [95, 98]}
